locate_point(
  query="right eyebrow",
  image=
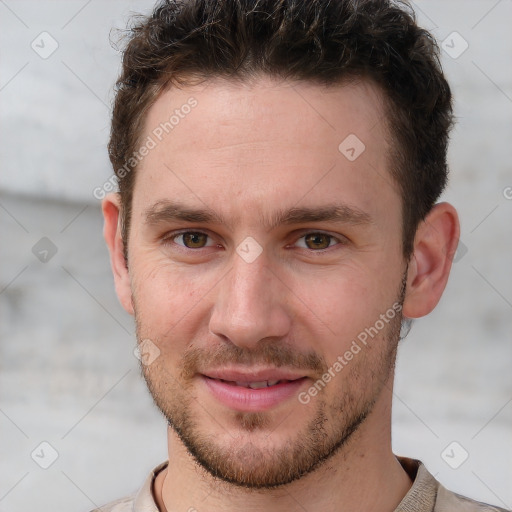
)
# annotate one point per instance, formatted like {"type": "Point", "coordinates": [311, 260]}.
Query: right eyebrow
{"type": "Point", "coordinates": [167, 211]}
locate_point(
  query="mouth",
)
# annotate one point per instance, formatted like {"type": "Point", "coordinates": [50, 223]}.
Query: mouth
{"type": "Point", "coordinates": [252, 394]}
{"type": "Point", "coordinates": [256, 384]}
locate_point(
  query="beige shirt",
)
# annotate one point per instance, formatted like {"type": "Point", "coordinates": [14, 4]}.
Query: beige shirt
{"type": "Point", "coordinates": [425, 495]}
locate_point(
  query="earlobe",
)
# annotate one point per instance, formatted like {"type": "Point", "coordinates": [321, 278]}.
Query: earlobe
{"type": "Point", "coordinates": [435, 244]}
{"type": "Point", "coordinates": [111, 207]}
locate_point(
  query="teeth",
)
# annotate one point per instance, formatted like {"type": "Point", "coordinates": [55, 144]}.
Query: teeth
{"type": "Point", "coordinates": [257, 385]}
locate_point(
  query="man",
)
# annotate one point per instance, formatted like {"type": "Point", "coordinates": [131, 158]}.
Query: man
{"type": "Point", "coordinates": [278, 166]}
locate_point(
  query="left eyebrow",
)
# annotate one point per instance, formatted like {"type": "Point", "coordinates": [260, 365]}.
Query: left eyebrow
{"type": "Point", "coordinates": [168, 211]}
{"type": "Point", "coordinates": [330, 213]}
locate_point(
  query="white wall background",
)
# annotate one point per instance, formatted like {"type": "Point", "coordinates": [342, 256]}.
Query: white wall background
{"type": "Point", "coordinates": [67, 372]}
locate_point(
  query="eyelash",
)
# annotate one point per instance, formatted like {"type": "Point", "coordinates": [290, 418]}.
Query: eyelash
{"type": "Point", "coordinates": [172, 236]}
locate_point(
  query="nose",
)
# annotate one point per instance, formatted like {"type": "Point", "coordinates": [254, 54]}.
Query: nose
{"type": "Point", "coordinates": [250, 304]}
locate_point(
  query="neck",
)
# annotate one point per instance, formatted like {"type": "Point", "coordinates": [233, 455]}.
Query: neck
{"type": "Point", "coordinates": [362, 476]}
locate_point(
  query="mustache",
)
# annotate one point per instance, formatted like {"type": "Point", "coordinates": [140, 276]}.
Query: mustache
{"type": "Point", "coordinates": [197, 360]}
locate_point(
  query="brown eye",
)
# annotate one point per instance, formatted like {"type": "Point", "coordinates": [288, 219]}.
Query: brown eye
{"type": "Point", "coordinates": [317, 240]}
{"type": "Point", "coordinates": [193, 239]}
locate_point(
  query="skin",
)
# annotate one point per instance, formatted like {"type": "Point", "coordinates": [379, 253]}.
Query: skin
{"type": "Point", "coordinates": [247, 151]}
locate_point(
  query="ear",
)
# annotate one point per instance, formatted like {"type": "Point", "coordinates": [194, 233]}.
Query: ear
{"type": "Point", "coordinates": [111, 207]}
{"type": "Point", "coordinates": [435, 244]}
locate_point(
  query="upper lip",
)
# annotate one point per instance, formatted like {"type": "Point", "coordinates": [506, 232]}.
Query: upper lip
{"type": "Point", "coordinates": [248, 375]}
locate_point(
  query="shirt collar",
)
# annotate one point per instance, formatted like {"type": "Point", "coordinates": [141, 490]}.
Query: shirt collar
{"type": "Point", "coordinates": [421, 496]}
{"type": "Point", "coordinates": [144, 500]}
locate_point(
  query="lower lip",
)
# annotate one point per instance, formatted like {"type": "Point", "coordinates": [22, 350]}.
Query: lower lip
{"type": "Point", "coordinates": [252, 400]}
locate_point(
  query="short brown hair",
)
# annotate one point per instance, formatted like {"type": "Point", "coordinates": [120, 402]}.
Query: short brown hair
{"type": "Point", "coordinates": [321, 41]}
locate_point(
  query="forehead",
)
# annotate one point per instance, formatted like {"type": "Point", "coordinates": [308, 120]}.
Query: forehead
{"type": "Point", "coordinates": [244, 145]}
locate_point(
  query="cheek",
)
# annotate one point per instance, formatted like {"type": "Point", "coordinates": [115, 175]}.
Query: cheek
{"type": "Point", "coordinates": [167, 298]}
{"type": "Point", "coordinates": [342, 305]}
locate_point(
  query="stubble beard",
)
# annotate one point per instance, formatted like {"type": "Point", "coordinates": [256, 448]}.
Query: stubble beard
{"type": "Point", "coordinates": [247, 461]}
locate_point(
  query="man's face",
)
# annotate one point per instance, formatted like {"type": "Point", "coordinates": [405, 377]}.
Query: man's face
{"type": "Point", "coordinates": [269, 287]}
